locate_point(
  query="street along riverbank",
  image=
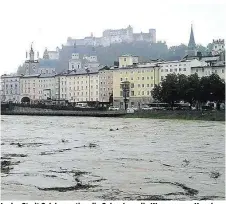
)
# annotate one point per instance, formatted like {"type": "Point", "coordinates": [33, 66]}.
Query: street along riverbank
{"type": "Point", "coordinates": [180, 114]}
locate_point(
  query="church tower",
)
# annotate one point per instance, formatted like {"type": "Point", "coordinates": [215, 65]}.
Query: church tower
{"type": "Point", "coordinates": [31, 64]}
{"type": "Point", "coordinates": [32, 54]}
{"type": "Point", "coordinates": [46, 54]}
{"type": "Point", "coordinates": [191, 45]}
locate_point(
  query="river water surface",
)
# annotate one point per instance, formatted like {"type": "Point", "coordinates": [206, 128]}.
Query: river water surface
{"type": "Point", "coordinates": [86, 158]}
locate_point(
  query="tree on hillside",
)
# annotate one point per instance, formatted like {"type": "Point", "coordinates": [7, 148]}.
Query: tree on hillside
{"type": "Point", "coordinates": [176, 52]}
{"type": "Point", "coordinates": [202, 49]}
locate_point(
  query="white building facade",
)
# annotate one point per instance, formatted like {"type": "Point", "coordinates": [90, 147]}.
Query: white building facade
{"type": "Point", "coordinates": [105, 84]}
{"type": "Point", "coordinates": [29, 87]}
{"type": "Point", "coordinates": [10, 88]}
{"type": "Point", "coordinates": [178, 67]}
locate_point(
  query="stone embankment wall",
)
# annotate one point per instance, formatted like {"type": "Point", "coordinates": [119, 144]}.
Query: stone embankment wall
{"type": "Point", "coordinates": [49, 112]}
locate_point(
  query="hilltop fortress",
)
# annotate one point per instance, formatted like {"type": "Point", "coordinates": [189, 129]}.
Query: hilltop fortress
{"type": "Point", "coordinates": [115, 36]}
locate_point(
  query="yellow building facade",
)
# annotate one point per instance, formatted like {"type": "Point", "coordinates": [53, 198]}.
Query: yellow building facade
{"type": "Point", "coordinates": [127, 60]}
{"type": "Point", "coordinates": [142, 81]}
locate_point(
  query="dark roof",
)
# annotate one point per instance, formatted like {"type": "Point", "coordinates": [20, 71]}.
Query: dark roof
{"type": "Point", "coordinates": [30, 76]}
{"type": "Point", "coordinates": [46, 75]}
{"type": "Point", "coordinates": [213, 66]}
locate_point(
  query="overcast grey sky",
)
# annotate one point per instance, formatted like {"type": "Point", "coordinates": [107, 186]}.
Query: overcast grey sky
{"type": "Point", "coordinates": [49, 22]}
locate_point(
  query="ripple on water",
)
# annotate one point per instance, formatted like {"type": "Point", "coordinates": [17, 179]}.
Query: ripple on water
{"type": "Point", "coordinates": [179, 160]}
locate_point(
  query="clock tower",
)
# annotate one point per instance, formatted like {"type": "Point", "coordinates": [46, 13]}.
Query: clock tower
{"type": "Point", "coordinates": [31, 65]}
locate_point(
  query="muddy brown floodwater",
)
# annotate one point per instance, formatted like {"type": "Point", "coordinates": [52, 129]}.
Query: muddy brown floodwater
{"type": "Point", "coordinates": [86, 158]}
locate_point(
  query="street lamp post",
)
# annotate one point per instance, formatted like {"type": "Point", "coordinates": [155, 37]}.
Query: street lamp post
{"type": "Point", "coordinates": [125, 90]}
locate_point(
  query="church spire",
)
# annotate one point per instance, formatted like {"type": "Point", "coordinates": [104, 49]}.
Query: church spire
{"type": "Point", "coordinates": [32, 54]}
{"type": "Point", "coordinates": [191, 43]}
{"type": "Point", "coordinates": [191, 51]}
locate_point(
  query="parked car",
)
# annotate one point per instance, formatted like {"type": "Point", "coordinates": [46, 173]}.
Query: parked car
{"type": "Point", "coordinates": [113, 108]}
{"type": "Point", "coordinates": [147, 108]}
{"type": "Point", "coordinates": [134, 108]}
{"type": "Point", "coordinates": [207, 108]}
{"type": "Point", "coordinates": [130, 110]}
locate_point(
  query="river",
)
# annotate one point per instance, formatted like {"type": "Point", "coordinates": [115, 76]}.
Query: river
{"type": "Point", "coordinates": [86, 158]}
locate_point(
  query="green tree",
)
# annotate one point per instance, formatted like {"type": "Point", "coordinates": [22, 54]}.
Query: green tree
{"type": "Point", "coordinates": [204, 94]}
{"type": "Point", "coordinates": [193, 90]}
{"type": "Point", "coordinates": [182, 86]}
{"type": "Point", "coordinates": [216, 89]}
{"type": "Point", "coordinates": [169, 90]}
{"type": "Point", "coordinates": [157, 93]}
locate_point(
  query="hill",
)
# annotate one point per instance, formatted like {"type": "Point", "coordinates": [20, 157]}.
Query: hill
{"type": "Point", "coordinates": [107, 55]}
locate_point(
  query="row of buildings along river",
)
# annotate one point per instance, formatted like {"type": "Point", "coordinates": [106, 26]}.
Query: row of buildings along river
{"type": "Point", "coordinates": [84, 79]}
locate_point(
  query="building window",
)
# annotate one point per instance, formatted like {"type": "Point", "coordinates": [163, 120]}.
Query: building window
{"type": "Point", "coordinates": [152, 77]}
{"type": "Point", "coordinates": [162, 70]}
{"type": "Point", "coordinates": [151, 85]}
{"type": "Point", "coordinates": [142, 92]}
{"type": "Point", "coordinates": [121, 79]}
{"type": "Point", "coordinates": [131, 78]}
{"type": "Point", "coordinates": [142, 85]}
{"type": "Point", "coordinates": [202, 69]}
{"type": "Point", "coordinates": [147, 85]}
{"type": "Point", "coordinates": [222, 70]}
{"type": "Point", "coordinates": [132, 85]}
{"type": "Point", "coordinates": [147, 92]}
{"type": "Point", "coordinates": [142, 78]}
{"type": "Point", "coordinates": [138, 92]}
{"type": "Point", "coordinates": [184, 69]}
{"type": "Point", "coordinates": [179, 69]}
{"type": "Point", "coordinates": [166, 70]}
{"type": "Point", "coordinates": [197, 70]}
{"type": "Point", "coordinates": [171, 70]}
{"type": "Point", "coordinates": [215, 71]}
{"type": "Point", "coordinates": [124, 59]}
{"type": "Point", "coordinates": [147, 78]}
{"type": "Point", "coordinates": [138, 85]}
{"type": "Point", "coordinates": [162, 77]}
{"type": "Point", "coordinates": [138, 78]}
{"type": "Point", "coordinates": [132, 93]}
{"type": "Point", "coordinates": [175, 70]}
